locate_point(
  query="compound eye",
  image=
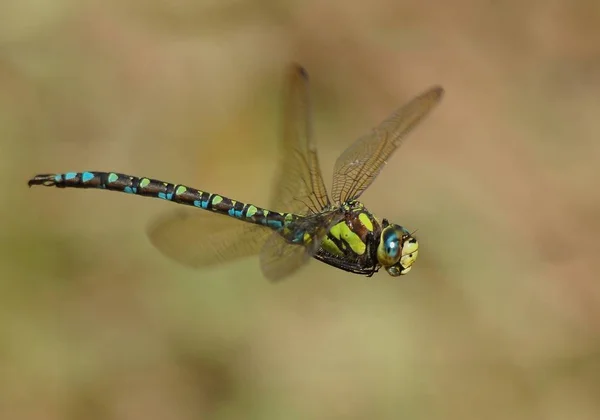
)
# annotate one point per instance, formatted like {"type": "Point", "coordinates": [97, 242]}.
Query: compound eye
{"type": "Point", "coordinates": [389, 249]}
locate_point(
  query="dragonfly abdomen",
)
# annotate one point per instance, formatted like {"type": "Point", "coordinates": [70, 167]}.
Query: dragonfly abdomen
{"type": "Point", "coordinates": [177, 193]}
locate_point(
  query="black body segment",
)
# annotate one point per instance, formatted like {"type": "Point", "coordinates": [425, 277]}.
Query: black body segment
{"type": "Point", "coordinates": [177, 193]}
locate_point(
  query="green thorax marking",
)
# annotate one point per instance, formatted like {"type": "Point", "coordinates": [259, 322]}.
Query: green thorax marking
{"type": "Point", "coordinates": [351, 234]}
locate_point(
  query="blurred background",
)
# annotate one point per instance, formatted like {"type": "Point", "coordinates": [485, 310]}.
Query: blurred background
{"type": "Point", "coordinates": [500, 316]}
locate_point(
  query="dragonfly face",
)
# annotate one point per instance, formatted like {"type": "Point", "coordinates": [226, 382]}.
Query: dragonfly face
{"type": "Point", "coordinates": [397, 250]}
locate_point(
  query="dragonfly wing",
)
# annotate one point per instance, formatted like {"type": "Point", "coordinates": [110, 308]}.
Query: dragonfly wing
{"type": "Point", "coordinates": [198, 239]}
{"type": "Point", "coordinates": [358, 166]}
{"type": "Point", "coordinates": [279, 258]}
{"type": "Point", "coordinates": [203, 239]}
{"type": "Point", "coordinates": [300, 188]}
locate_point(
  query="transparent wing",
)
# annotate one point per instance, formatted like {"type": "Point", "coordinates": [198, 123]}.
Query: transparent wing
{"type": "Point", "coordinates": [197, 239]}
{"type": "Point", "coordinates": [201, 239]}
{"type": "Point", "coordinates": [299, 188]}
{"type": "Point", "coordinates": [358, 166]}
{"type": "Point", "coordinates": [279, 258]}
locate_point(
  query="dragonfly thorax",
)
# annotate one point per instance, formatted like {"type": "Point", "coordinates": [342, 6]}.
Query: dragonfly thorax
{"type": "Point", "coordinates": [361, 244]}
{"type": "Point", "coordinates": [397, 250]}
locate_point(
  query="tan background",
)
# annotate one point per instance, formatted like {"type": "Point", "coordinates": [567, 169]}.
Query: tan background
{"type": "Point", "coordinates": [500, 319]}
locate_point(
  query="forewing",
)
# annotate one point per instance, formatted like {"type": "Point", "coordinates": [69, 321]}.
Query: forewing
{"type": "Point", "coordinates": [200, 239]}
{"type": "Point", "coordinates": [358, 166]}
{"type": "Point", "coordinates": [299, 185]}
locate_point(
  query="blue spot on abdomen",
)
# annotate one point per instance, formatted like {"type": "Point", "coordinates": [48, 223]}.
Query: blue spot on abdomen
{"type": "Point", "coordinates": [277, 224]}
{"type": "Point", "coordinates": [87, 176]}
{"type": "Point", "coordinates": [203, 204]}
{"type": "Point", "coordinates": [298, 237]}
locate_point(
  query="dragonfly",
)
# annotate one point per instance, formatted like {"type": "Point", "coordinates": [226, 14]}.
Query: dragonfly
{"type": "Point", "coordinates": [336, 229]}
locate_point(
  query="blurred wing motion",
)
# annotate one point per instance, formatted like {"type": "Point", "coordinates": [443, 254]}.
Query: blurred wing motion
{"type": "Point", "coordinates": [358, 166]}
{"type": "Point", "coordinates": [300, 188]}
{"type": "Point", "coordinates": [279, 258]}
{"type": "Point", "coordinates": [199, 239]}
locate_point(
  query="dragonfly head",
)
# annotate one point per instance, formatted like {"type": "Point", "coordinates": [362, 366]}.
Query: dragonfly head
{"type": "Point", "coordinates": [397, 250]}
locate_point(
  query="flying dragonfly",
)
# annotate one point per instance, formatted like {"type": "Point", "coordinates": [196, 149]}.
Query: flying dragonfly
{"type": "Point", "coordinates": [336, 229]}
